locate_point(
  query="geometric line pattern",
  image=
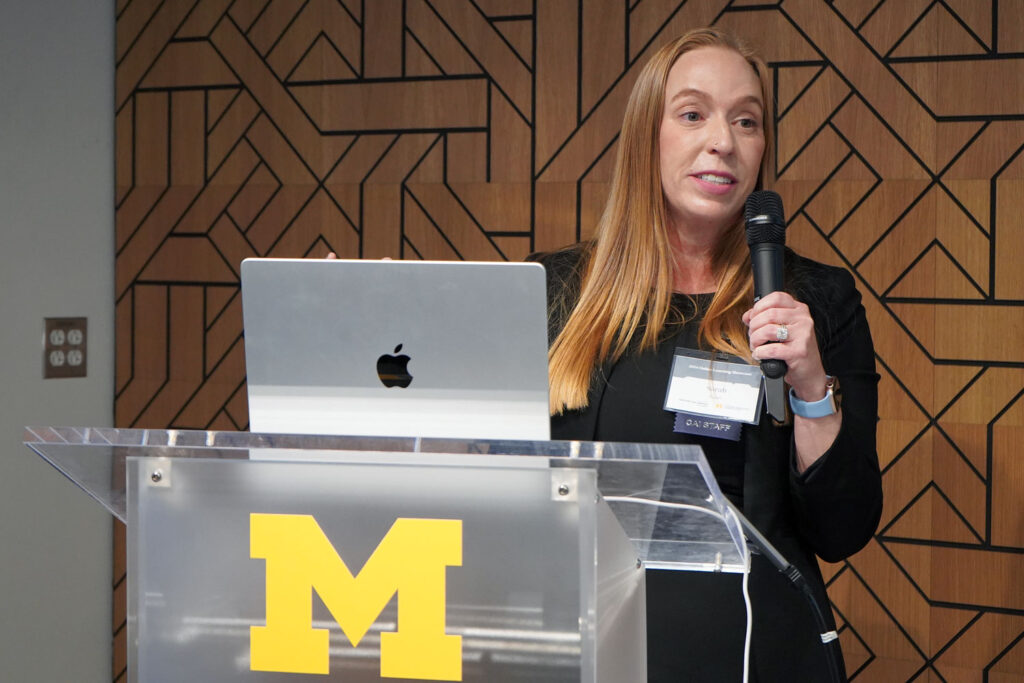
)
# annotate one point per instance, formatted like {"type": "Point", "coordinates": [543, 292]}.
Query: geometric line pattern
{"type": "Point", "coordinates": [486, 129]}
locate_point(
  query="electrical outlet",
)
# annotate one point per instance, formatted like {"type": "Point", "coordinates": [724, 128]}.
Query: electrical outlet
{"type": "Point", "coordinates": [64, 347]}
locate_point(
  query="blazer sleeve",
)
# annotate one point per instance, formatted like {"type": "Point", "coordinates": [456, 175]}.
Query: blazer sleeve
{"type": "Point", "coordinates": [838, 500]}
{"type": "Point", "coordinates": [563, 270]}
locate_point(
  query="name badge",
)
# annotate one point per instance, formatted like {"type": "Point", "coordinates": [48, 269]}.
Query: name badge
{"type": "Point", "coordinates": [711, 394]}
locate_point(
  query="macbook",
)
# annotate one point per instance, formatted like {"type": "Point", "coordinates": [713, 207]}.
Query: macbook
{"type": "Point", "coordinates": [396, 348]}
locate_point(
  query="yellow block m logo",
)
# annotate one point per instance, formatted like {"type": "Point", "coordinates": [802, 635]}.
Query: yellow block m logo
{"type": "Point", "coordinates": [411, 559]}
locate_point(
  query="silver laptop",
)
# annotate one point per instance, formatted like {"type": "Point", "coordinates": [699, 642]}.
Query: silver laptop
{"type": "Point", "coordinates": [396, 348]}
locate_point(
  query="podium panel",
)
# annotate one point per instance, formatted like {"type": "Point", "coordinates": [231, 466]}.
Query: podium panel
{"type": "Point", "coordinates": [482, 573]}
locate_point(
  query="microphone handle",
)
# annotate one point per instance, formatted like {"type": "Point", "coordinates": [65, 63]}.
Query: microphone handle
{"type": "Point", "coordinates": [774, 368]}
{"type": "Point", "coordinates": [766, 259]}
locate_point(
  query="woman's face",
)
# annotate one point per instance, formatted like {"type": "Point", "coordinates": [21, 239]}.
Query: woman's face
{"type": "Point", "coordinates": [712, 138]}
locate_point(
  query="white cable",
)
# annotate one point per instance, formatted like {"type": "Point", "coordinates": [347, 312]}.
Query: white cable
{"type": "Point", "coordinates": [664, 504]}
{"type": "Point", "coordinates": [750, 614]}
{"type": "Point", "coordinates": [745, 555]}
{"type": "Point", "coordinates": [746, 601]}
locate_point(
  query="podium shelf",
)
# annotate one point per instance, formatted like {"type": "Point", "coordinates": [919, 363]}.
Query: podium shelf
{"type": "Point", "coordinates": [664, 496]}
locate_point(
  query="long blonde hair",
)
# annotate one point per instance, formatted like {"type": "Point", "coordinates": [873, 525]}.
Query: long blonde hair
{"type": "Point", "coordinates": [627, 271]}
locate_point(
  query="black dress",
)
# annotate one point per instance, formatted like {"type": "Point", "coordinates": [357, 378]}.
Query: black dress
{"type": "Point", "coordinates": [695, 621]}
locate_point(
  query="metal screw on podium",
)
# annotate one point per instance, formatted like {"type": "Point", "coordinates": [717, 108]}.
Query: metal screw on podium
{"type": "Point", "coordinates": [563, 489]}
{"type": "Point", "coordinates": [156, 476]}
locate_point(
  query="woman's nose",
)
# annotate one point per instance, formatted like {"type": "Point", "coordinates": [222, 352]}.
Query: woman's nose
{"type": "Point", "coordinates": [720, 137]}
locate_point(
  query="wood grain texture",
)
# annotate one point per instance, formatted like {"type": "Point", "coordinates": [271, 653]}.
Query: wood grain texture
{"type": "Point", "coordinates": [487, 129]}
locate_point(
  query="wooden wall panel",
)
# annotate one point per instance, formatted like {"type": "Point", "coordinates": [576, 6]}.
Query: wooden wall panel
{"type": "Point", "coordinates": [485, 129]}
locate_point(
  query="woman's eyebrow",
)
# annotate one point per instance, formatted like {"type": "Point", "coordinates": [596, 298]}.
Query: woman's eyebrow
{"type": "Point", "coordinates": [695, 92]}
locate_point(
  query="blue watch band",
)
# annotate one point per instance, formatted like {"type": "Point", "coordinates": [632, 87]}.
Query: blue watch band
{"type": "Point", "coordinates": [821, 408]}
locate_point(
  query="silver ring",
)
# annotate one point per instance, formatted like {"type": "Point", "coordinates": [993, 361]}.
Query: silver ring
{"type": "Point", "coordinates": [781, 332]}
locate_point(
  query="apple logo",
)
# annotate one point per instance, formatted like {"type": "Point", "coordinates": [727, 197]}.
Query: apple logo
{"type": "Point", "coordinates": [393, 370]}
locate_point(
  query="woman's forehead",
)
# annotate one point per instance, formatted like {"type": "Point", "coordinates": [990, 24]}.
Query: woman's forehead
{"type": "Point", "coordinates": [713, 72]}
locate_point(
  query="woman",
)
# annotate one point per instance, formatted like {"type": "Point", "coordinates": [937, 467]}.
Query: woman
{"type": "Point", "coordinates": [670, 268]}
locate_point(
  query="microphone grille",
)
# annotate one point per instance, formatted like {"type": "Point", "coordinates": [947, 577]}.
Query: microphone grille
{"type": "Point", "coordinates": [765, 217]}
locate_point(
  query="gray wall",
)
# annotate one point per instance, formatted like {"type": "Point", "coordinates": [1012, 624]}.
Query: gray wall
{"type": "Point", "coordinates": [56, 259]}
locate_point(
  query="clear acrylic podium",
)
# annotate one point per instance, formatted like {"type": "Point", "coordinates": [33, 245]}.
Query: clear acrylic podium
{"type": "Point", "coordinates": [257, 557]}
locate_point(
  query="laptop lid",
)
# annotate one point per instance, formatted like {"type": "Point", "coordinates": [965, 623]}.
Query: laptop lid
{"type": "Point", "coordinates": [396, 348]}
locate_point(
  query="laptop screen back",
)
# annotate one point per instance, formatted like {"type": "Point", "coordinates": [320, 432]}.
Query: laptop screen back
{"type": "Point", "coordinates": [396, 348]}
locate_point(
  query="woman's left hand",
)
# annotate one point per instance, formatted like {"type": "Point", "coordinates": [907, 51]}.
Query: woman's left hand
{"type": "Point", "coordinates": [781, 327]}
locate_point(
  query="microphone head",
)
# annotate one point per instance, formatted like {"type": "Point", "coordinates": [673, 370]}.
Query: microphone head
{"type": "Point", "coordinates": [765, 217]}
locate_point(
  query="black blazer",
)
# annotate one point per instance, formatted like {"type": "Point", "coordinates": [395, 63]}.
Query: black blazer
{"type": "Point", "coordinates": [831, 510]}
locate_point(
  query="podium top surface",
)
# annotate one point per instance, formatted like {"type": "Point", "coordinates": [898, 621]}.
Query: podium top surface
{"type": "Point", "coordinates": [644, 484]}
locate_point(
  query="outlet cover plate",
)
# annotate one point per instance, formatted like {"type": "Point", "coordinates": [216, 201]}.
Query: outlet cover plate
{"type": "Point", "coordinates": [64, 347]}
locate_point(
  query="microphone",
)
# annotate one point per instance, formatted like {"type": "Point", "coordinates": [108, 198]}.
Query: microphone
{"type": "Point", "coordinates": [766, 236]}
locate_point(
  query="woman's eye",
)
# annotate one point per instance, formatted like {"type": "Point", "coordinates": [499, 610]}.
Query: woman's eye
{"type": "Point", "coordinates": [748, 123]}
{"type": "Point", "coordinates": [691, 116]}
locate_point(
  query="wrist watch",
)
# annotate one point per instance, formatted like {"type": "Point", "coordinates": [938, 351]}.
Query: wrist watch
{"type": "Point", "coordinates": [821, 408]}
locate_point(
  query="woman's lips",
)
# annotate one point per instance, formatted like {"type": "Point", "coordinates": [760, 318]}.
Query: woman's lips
{"type": "Point", "coordinates": [714, 183]}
